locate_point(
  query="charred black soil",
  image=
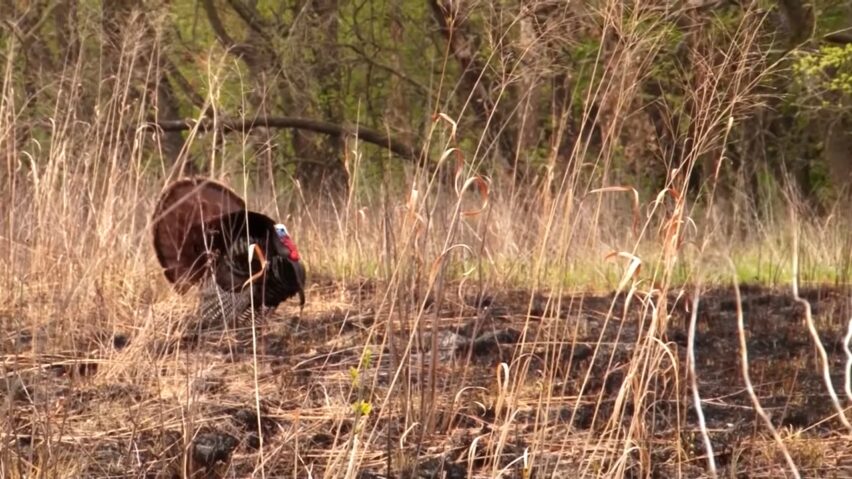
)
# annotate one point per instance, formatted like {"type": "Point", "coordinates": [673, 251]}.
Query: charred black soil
{"type": "Point", "coordinates": [358, 387]}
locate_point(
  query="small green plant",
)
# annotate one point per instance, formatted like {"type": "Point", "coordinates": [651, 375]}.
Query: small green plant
{"type": "Point", "coordinates": [364, 363]}
{"type": "Point", "coordinates": [362, 408]}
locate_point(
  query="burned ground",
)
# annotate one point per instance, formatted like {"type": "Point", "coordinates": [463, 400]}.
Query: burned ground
{"type": "Point", "coordinates": [329, 394]}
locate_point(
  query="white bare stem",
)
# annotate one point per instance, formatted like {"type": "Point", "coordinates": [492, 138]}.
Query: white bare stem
{"type": "Point", "coordinates": [848, 381]}
{"type": "Point", "coordinates": [812, 329]}
{"type": "Point", "coordinates": [747, 378]}
{"type": "Point", "coordinates": [696, 399]}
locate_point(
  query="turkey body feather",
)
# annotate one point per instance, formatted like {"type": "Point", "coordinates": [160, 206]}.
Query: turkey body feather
{"type": "Point", "coordinates": [229, 238]}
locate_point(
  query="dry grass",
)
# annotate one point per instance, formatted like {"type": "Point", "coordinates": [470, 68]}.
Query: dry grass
{"type": "Point", "coordinates": [376, 375]}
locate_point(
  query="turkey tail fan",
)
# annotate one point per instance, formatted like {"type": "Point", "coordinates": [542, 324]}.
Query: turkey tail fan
{"type": "Point", "coordinates": [184, 207]}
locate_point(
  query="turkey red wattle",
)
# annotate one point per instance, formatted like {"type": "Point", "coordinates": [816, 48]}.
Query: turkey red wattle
{"type": "Point", "coordinates": [291, 246]}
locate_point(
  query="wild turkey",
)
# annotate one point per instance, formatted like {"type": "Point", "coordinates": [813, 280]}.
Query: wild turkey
{"type": "Point", "coordinates": [204, 235]}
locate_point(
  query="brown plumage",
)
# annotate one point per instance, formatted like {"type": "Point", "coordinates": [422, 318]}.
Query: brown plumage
{"type": "Point", "coordinates": [204, 235]}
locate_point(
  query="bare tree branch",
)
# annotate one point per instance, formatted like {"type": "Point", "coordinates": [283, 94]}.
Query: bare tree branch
{"type": "Point", "coordinates": [180, 80]}
{"type": "Point", "coordinates": [476, 81]}
{"type": "Point", "coordinates": [245, 125]}
{"type": "Point", "coordinates": [393, 71]}
{"type": "Point", "coordinates": [800, 19]}
{"type": "Point", "coordinates": [219, 29]}
{"type": "Point", "coordinates": [472, 72]}
{"type": "Point", "coordinates": [251, 17]}
{"type": "Point", "coordinates": [838, 37]}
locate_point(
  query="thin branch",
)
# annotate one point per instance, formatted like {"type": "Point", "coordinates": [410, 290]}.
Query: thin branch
{"type": "Point", "coordinates": [472, 72]}
{"type": "Point", "coordinates": [842, 37]}
{"type": "Point", "coordinates": [475, 81]}
{"type": "Point", "coordinates": [245, 125]}
{"type": "Point", "coordinates": [251, 17]}
{"type": "Point", "coordinates": [219, 29]}
{"type": "Point", "coordinates": [393, 71]}
{"type": "Point", "coordinates": [180, 80]}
